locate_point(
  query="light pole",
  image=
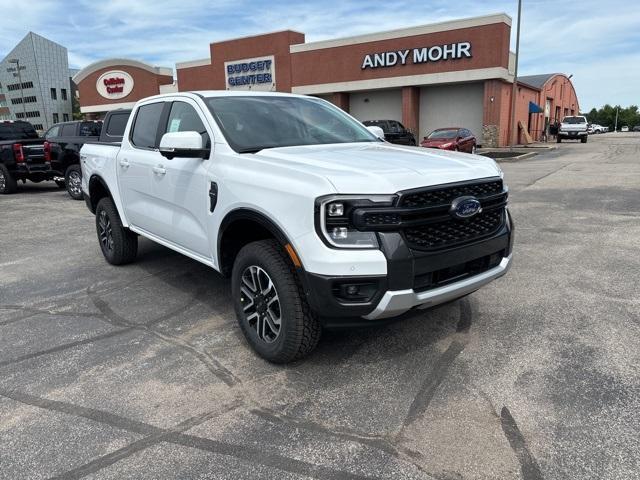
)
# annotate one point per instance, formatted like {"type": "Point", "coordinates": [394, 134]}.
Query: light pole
{"type": "Point", "coordinates": [24, 107]}
{"type": "Point", "coordinates": [513, 131]}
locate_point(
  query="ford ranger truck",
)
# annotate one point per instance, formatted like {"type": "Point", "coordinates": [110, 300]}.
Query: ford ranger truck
{"type": "Point", "coordinates": [314, 218]}
{"type": "Point", "coordinates": [573, 128]}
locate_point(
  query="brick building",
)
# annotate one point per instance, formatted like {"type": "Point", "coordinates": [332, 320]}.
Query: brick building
{"type": "Point", "coordinates": [454, 73]}
{"type": "Point", "coordinates": [119, 83]}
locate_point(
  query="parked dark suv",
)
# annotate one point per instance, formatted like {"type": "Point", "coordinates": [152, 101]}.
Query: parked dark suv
{"type": "Point", "coordinates": [62, 149]}
{"type": "Point", "coordinates": [394, 131]}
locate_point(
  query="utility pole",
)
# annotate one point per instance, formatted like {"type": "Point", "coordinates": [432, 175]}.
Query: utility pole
{"type": "Point", "coordinates": [513, 131]}
{"type": "Point", "coordinates": [24, 107]}
{"type": "Point", "coordinates": [615, 128]}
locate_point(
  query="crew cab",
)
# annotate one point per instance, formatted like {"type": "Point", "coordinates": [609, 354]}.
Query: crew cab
{"type": "Point", "coordinates": [574, 128]}
{"type": "Point", "coordinates": [21, 156]}
{"type": "Point", "coordinates": [64, 141]}
{"type": "Point", "coordinates": [316, 220]}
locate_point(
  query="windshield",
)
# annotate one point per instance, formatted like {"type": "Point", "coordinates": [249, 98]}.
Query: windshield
{"type": "Point", "coordinates": [253, 123]}
{"type": "Point", "coordinates": [446, 133]}
{"type": "Point", "coordinates": [574, 120]}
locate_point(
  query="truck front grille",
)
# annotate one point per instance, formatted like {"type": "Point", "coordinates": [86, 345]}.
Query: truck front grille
{"type": "Point", "coordinates": [452, 232]}
{"type": "Point", "coordinates": [438, 228]}
{"type": "Point", "coordinates": [442, 195]}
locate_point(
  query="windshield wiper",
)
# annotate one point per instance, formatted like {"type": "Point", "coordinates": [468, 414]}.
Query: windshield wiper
{"type": "Point", "coordinates": [255, 149]}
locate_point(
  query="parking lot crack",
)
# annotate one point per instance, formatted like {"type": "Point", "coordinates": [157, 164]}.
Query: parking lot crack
{"type": "Point", "coordinates": [65, 346]}
{"type": "Point", "coordinates": [213, 365]}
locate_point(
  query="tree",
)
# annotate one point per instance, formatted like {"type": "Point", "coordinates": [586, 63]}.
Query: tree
{"type": "Point", "coordinates": [606, 116]}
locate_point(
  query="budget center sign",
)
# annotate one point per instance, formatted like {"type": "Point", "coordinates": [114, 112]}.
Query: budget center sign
{"type": "Point", "coordinates": [251, 74]}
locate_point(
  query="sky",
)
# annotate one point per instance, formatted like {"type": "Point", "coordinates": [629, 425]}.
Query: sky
{"type": "Point", "coordinates": [596, 41]}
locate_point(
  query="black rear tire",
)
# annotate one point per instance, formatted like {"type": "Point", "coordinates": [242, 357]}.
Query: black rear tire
{"type": "Point", "coordinates": [299, 329]}
{"type": "Point", "coordinates": [584, 139]}
{"type": "Point", "coordinates": [8, 184]}
{"type": "Point", "coordinates": [559, 140]}
{"type": "Point", "coordinates": [119, 245]}
{"type": "Point", "coordinates": [73, 181]}
{"type": "Point", "coordinates": [61, 184]}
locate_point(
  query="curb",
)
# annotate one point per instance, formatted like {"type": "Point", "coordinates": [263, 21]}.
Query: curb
{"type": "Point", "coordinates": [516, 159]}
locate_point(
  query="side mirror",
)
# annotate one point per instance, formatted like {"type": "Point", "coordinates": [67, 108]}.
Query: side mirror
{"type": "Point", "coordinates": [377, 131]}
{"type": "Point", "coordinates": [182, 144]}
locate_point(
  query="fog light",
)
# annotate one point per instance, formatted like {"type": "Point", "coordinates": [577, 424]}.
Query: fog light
{"type": "Point", "coordinates": [339, 233]}
{"type": "Point", "coordinates": [352, 289]}
{"type": "Point", "coordinates": [335, 209]}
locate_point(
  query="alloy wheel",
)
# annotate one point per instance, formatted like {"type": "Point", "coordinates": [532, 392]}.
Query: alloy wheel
{"type": "Point", "coordinates": [260, 303]}
{"type": "Point", "coordinates": [3, 181]}
{"type": "Point", "coordinates": [105, 231]}
{"type": "Point", "coordinates": [75, 182]}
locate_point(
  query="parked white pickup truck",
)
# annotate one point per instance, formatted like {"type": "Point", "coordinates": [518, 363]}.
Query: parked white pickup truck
{"type": "Point", "coordinates": [573, 128]}
{"type": "Point", "coordinates": [316, 219]}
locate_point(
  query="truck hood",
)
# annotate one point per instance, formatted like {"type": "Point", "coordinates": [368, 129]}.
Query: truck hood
{"type": "Point", "coordinates": [381, 167]}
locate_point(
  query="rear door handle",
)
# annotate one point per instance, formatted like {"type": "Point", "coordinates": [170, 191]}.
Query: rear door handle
{"type": "Point", "coordinates": [159, 170]}
{"type": "Point", "coordinates": [124, 163]}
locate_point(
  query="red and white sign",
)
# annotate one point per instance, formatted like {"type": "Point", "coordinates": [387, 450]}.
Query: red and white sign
{"type": "Point", "coordinates": [114, 84]}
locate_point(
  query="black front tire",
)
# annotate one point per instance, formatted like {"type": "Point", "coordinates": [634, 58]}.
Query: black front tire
{"type": "Point", "coordinates": [8, 184]}
{"type": "Point", "coordinates": [583, 139]}
{"type": "Point", "coordinates": [119, 245]}
{"type": "Point", "coordinates": [559, 140]}
{"type": "Point", "coordinates": [299, 329]}
{"type": "Point", "coordinates": [73, 181]}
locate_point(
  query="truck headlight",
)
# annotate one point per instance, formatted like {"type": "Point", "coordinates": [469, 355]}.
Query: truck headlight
{"type": "Point", "coordinates": [334, 221]}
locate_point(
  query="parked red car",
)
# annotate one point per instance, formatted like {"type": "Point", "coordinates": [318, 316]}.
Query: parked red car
{"type": "Point", "coordinates": [452, 138]}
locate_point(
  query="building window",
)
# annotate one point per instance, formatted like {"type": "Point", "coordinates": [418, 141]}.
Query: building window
{"type": "Point", "coordinates": [65, 117]}
{"type": "Point", "coordinates": [16, 86]}
{"type": "Point", "coordinates": [63, 93]}
{"type": "Point", "coordinates": [38, 126]}
{"type": "Point", "coordinates": [32, 114]}
{"type": "Point", "coordinates": [55, 118]}
{"type": "Point", "coordinates": [54, 95]}
{"type": "Point", "coordinates": [18, 101]}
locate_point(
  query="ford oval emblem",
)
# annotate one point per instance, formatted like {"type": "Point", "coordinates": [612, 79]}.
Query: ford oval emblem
{"type": "Point", "coordinates": [465, 207]}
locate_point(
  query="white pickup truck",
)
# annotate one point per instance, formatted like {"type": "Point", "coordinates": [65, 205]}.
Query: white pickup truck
{"type": "Point", "coordinates": [574, 127]}
{"type": "Point", "coordinates": [316, 219]}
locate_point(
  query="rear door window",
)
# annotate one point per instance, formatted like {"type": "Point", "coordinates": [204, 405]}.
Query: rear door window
{"type": "Point", "coordinates": [90, 129]}
{"type": "Point", "coordinates": [145, 128]}
{"type": "Point", "coordinates": [68, 130]}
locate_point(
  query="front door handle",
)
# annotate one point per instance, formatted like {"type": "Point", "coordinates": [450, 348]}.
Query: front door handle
{"type": "Point", "coordinates": [124, 163]}
{"type": "Point", "coordinates": [159, 170]}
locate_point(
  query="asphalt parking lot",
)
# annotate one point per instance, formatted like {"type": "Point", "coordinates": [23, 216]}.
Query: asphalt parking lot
{"type": "Point", "coordinates": [141, 372]}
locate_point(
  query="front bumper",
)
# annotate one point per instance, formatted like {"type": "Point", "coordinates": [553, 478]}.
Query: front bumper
{"type": "Point", "coordinates": [562, 134]}
{"type": "Point", "coordinates": [397, 302]}
{"type": "Point", "coordinates": [414, 279]}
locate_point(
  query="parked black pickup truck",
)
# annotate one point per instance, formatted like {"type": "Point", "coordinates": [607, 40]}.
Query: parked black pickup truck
{"type": "Point", "coordinates": [21, 156]}
{"type": "Point", "coordinates": [64, 141]}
